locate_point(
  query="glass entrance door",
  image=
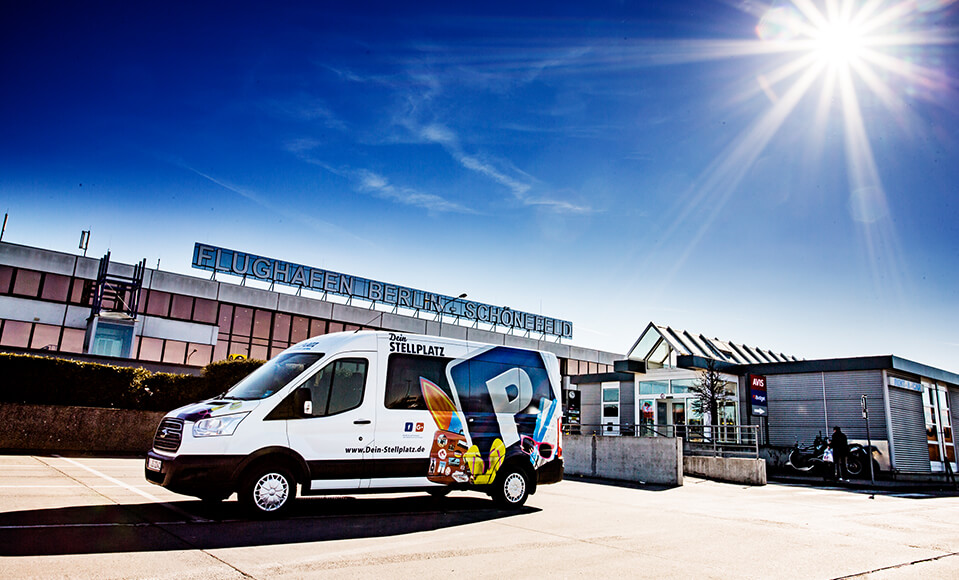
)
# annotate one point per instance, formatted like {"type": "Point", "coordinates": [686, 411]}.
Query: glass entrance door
{"type": "Point", "coordinates": [939, 437]}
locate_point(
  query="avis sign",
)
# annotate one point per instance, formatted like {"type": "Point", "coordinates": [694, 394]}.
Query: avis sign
{"type": "Point", "coordinates": [757, 390]}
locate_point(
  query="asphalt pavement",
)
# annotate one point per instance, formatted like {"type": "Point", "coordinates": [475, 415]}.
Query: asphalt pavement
{"type": "Point", "coordinates": [99, 518]}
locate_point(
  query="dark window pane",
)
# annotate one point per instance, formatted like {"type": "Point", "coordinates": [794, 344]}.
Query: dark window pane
{"type": "Point", "coordinates": [281, 327]}
{"type": "Point", "coordinates": [55, 287]}
{"type": "Point", "coordinates": [262, 322]}
{"type": "Point", "coordinates": [205, 311]}
{"type": "Point", "coordinates": [158, 303]}
{"type": "Point", "coordinates": [174, 352]}
{"type": "Point", "coordinates": [6, 276]}
{"type": "Point", "coordinates": [404, 388]}
{"type": "Point", "coordinates": [301, 329]}
{"type": "Point", "coordinates": [182, 307]}
{"type": "Point", "coordinates": [27, 283]}
{"type": "Point", "coordinates": [72, 340]}
{"type": "Point", "coordinates": [15, 334]}
{"type": "Point", "coordinates": [151, 349]}
{"type": "Point", "coordinates": [242, 320]}
{"type": "Point", "coordinates": [46, 337]}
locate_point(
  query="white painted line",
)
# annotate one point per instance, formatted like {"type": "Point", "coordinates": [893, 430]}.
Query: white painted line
{"type": "Point", "coordinates": [128, 487]}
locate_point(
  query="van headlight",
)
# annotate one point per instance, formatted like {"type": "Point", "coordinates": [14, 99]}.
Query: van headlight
{"type": "Point", "coordinates": [217, 426]}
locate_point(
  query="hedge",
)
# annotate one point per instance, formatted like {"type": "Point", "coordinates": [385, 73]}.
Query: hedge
{"type": "Point", "coordinates": [28, 379]}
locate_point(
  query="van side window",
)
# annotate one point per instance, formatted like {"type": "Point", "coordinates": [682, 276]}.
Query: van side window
{"type": "Point", "coordinates": [338, 386]}
{"type": "Point", "coordinates": [403, 374]}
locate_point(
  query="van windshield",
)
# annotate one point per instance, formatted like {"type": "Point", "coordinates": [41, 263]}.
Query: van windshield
{"type": "Point", "coordinates": [273, 376]}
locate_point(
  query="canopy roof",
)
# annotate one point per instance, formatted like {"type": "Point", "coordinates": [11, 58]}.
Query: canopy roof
{"type": "Point", "coordinates": [657, 343]}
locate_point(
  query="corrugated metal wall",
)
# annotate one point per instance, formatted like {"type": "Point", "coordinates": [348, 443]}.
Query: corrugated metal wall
{"type": "Point", "coordinates": [910, 451]}
{"type": "Point", "coordinates": [797, 411]}
{"type": "Point", "coordinates": [627, 403]}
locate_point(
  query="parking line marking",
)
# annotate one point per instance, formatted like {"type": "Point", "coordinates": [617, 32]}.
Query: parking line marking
{"type": "Point", "coordinates": [144, 494]}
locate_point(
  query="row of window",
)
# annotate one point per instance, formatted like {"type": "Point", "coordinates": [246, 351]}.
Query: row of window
{"type": "Point", "coordinates": [247, 331]}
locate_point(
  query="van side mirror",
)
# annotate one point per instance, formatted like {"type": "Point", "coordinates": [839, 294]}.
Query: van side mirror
{"type": "Point", "coordinates": [303, 402]}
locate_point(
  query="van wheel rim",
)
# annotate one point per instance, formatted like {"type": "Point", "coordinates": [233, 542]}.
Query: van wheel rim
{"type": "Point", "coordinates": [514, 487]}
{"type": "Point", "coordinates": [271, 492]}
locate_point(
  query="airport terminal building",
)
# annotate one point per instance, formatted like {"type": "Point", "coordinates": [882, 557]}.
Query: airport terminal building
{"type": "Point", "coordinates": [906, 409]}
{"type": "Point", "coordinates": [56, 302]}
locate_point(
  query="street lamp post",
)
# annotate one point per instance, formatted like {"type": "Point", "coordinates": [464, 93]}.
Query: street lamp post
{"type": "Point", "coordinates": [445, 307]}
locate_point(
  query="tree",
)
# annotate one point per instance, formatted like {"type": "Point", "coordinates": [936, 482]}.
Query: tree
{"type": "Point", "coordinates": [710, 391]}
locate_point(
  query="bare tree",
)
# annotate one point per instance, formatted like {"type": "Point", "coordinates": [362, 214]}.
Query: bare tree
{"type": "Point", "coordinates": [710, 391]}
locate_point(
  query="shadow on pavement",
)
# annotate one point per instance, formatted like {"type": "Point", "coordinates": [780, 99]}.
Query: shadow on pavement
{"type": "Point", "coordinates": [186, 525]}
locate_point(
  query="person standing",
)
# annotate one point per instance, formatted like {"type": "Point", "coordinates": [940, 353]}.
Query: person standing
{"type": "Point", "coordinates": [840, 448]}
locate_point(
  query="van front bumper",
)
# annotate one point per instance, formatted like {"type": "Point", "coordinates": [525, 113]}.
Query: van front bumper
{"type": "Point", "coordinates": [205, 476]}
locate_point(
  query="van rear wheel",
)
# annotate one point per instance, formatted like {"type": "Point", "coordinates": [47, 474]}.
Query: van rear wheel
{"type": "Point", "coordinates": [268, 491]}
{"type": "Point", "coordinates": [511, 488]}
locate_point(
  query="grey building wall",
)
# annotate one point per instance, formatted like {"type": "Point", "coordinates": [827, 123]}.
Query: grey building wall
{"type": "Point", "coordinates": [803, 405]}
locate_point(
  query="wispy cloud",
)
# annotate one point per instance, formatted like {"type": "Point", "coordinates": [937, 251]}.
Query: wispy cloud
{"type": "Point", "coordinates": [519, 184]}
{"type": "Point", "coordinates": [372, 183]}
{"type": "Point", "coordinates": [304, 108]}
{"type": "Point", "coordinates": [304, 218]}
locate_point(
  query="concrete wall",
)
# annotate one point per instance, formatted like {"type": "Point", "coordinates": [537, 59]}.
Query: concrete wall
{"type": "Point", "coordinates": [731, 469]}
{"type": "Point", "coordinates": [641, 459]}
{"type": "Point", "coordinates": [50, 429]}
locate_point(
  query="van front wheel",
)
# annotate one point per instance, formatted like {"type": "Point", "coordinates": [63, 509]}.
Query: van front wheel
{"type": "Point", "coordinates": [511, 488]}
{"type": "Point", "coordinates": [268, 491]}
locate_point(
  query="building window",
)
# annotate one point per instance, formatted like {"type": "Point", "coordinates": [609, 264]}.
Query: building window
{"type": "Point", "coordinates": [55, 287]}
{"type": "Point", "coordinates": [262, 321]}
{"type": "Point", "coordinates": [225, 320]}
{"type": "Point", "coordinates": [204, 311]}
{"type": "Point", "coordinates": [45, 337]}
{"type": "Point", "coordinates": [182, 307]}
{"type": "Point", "coordinates": [72, 340]}
{"type": "Point", "coordinates": [16, 334]}
{"type": "Point", "coordinates": [242, 321]}
{"type": "Point", "coordinates": [82, 292]}
{"type": "Point", "coordinates": [318, 327]}
{"type": "Point", "coordinates": [300, 329]}
{"type": "Point", "coordinates": [199, 355]}
{"type": "Point", "coordinates": [6, 276]}
{"type": "Point", "coordinates": [174, 352]}
{"type": "Point", "coordinates": [27, 283]}
{"type": "Point", "coordinates": [159, 303]}
{"type": "Point", "coordinates": [151, 349]}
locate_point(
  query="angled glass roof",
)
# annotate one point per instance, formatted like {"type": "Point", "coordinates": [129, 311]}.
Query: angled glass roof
{"type": "Point", "coordinates": [656, 342]}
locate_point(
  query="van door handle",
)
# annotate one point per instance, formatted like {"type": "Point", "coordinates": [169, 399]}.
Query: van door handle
{"type": "Point", "coordinates": [362, 422]}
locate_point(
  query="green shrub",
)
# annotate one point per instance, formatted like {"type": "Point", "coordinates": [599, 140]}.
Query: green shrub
{"type": "Point", "coordinates": [38, 380]}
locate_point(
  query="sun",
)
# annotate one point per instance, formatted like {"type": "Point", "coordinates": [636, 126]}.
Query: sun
{"type": "Point", "coordinates": [838, 43]}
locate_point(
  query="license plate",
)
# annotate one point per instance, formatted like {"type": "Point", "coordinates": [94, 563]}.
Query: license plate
{"type": "Point", "coordinates": [154, 464]}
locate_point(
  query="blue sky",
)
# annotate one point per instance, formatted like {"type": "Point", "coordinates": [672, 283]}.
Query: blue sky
{"type": "Point", "coordinates": [712, 166]}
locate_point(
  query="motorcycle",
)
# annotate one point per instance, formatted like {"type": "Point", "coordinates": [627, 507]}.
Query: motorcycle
{"type": "Point", "coordinates": [809, 457]}
{"type": "Point", "coordinates": [857, 460]}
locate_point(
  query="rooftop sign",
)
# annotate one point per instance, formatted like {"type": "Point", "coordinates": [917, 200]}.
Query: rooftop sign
{"type": "Point", "coordinates": [215, 259]}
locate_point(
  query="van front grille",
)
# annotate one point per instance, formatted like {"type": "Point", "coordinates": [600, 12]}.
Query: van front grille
{"type": "Point", "coordinates": [168, 435]}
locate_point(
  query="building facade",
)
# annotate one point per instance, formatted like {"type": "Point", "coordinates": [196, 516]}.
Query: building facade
{"type": "Point", "coordinates": [63, 303]}
{"type": "Point", "coordinates": [906, 410]}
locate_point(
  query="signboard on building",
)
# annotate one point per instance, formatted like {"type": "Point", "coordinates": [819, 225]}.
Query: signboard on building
{"type": "Point", "coordinates": [757, 394]}
{"type": "Point", "coordinates": [904, 384]}
{"type": "Point", "coordinates": [215, 259]}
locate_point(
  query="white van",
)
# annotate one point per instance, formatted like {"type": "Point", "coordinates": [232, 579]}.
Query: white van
{"type": "Point", "coordinates": [367, 412]}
